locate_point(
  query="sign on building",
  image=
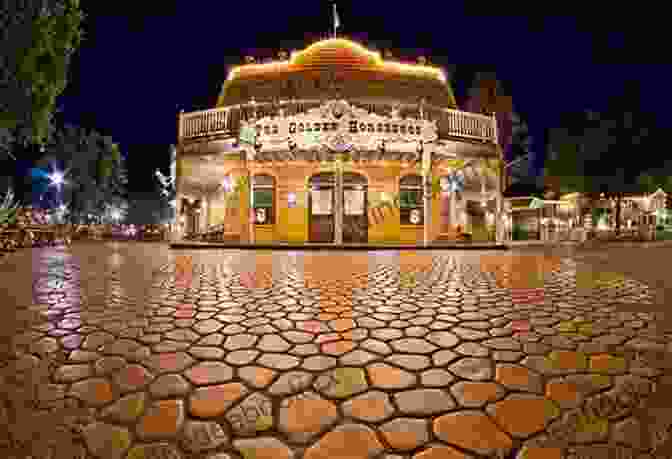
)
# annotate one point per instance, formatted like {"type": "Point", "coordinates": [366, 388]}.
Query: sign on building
{"type": "Point", "coordinates": [248, 134]}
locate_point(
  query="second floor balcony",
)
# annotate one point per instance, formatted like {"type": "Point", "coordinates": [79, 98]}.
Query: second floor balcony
{"type": "Point", "coordinates": [225, 122]}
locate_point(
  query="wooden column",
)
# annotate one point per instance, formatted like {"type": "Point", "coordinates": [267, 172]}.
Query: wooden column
{"type": "Point", "coordinates": [426, 193]}
{"type": "Point", "coordinates": [338, 207]}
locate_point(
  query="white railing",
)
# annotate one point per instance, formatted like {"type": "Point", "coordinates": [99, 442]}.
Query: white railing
{"type": "Point", "coordinates": [451, 123]}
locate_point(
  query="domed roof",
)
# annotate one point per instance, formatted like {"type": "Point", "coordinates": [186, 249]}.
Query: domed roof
{"type": "Point", "coordinates": [307, 73]}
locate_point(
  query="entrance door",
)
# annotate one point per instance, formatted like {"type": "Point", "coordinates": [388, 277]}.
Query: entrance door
{"type": "Point", "coordinates": [321, 205]}
{"type": "Point", "coordinates": [355, 221]}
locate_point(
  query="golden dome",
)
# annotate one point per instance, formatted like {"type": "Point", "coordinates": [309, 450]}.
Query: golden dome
{"type": "Point", "coordinates": [356, 71]}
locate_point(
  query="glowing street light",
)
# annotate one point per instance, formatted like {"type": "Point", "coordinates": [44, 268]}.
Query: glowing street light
{"type": "Point", "coordinates": [57, 178]}
{"type": "Point", "coordinates": [116, 215]}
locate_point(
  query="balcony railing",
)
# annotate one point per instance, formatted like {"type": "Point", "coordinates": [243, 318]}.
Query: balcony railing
{"type": "Point", "coordinates": [226, 120]}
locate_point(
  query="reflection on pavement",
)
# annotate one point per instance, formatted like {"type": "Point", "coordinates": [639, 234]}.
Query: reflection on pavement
{"type": "Point", "coordinates": [222, 354]}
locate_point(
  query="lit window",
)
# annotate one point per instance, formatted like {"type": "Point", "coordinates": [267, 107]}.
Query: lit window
{"type": "Point", "coordinates": [410, 200]}
{"type": "Point", "coordinates": [263, 199]}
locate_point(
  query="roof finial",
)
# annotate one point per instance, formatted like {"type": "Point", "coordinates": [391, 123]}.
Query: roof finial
{"type": "Point", "coordinates": [337, 20]}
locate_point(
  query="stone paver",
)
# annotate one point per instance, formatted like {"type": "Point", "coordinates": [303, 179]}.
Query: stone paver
{"type": "Point", "coordinates": [372, 406]}
{"type": "Point", "coordinates": [424, 401]}
{"type": "Point", "coordinates": [539, 412]}
{"type": "Point", "coordinates": [127, 409]}
{"type": "Point", "coordinates": [209, 373]}
{"type": "Point", "coordinates": [469, 360]}
{"type": "Point", "coordinates": [347, 441]}
{"type": "Point", "coordinates": [172, 385]}
{"type": "Point", "coordinates": [303, 417]}
{"type": "Point", "coordinates": [263, 448]}
{"type": "Point", "coordinates": [385, 376]}
{"type": "Point", "coordinates": [212, 401]}
{"type": "Point", "coordinates": [162, 419]}
{"type": "Point", "coordinates": [202, 436]}
{"type": "Point", "coordinates": [107, 441]}
{"type": "Point", "coordinates": [472, 430]}
{"type": "Point", "coordinates": [476, 394]}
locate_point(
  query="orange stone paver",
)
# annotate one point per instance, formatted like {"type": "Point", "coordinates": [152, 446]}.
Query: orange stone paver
{"type": "Point", "coordinates": [257, 376]}
{"type": "Point", "coordinates": [607, 363]}
{"type": "Point", "coordinates": [307, 415]}
{"type": "Point", "coordinates": [440, 452]}
{"type": "Point", "coordinates": [162, 420]}
{"type": "Point", "coordinates": [350, 441]}
{"type": "Point", "coordinates": [212, 401]}
{"type": "Point", "coordinates": [518, 378]}
{"type": "Point", "coordinates": [564, 393]}
{"type": "Point", "coordinates": [568, 360]}
{"type": "Point", "coordinates": [523, 415]}
{"type": "Point", "coordinates": [472, 430]}
{"type": "Point", "coordinates": [388, 377]}
{"type": "Point", "coordinates": [540, 452]}
{"type": "Point", "coordinates": [341, 325]}
{"type": "Point", "coordinates": [476, 394]}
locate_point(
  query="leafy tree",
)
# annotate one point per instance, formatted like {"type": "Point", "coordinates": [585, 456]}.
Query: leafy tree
{"type": "Point", "coordinates": [95, 172]}
{"type": "Point", "coordinates": [38, 40]}
{"type": "Point", "coordinates": [486, 96]}
{"type": "Point", "coordinates": [592, 153]}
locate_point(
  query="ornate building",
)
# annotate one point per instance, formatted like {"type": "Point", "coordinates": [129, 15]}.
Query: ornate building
{"type": "Point", "coordinates": [315, 147]}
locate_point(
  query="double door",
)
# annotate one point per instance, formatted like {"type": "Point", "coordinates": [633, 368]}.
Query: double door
{"type": "Point", "coordinates": [322, 207]}
{"type": "Point", "coordinates": [355, 221]}
{"type": "Point", "coordinates": [321, 224]}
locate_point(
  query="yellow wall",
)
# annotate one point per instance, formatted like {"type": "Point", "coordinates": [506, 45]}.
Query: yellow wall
{"type": "Point", "coordinates": [217, 212]}
{"type": "Point", "coordinates": [264, 233]}
{"type": "Point", "coordinates": [291, 224]}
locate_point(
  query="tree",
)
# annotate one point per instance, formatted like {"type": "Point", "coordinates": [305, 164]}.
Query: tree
{"type": "Point", "coordinates": [38, 40]}
{"type": "Point", "coordinates": [592, 153]}
{"type": "Point", "coordinates": [487, 96]}
{"type": "Point", "coordinates": [94, 168]}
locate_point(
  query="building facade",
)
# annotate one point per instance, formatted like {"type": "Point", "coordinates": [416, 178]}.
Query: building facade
{"type": "Point", "coordinates": [335, 144]}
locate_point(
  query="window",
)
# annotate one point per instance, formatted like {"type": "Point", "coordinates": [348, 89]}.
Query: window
{"type": "Point", "coordinates": [410, 200]}
{"type": "Point", "coordinates": [263, 199]}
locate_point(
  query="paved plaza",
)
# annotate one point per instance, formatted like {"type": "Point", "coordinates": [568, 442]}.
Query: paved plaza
{"type": "Point", "coordinates": [134, 351]}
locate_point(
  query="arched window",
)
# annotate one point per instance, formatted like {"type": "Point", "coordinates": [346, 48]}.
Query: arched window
{"type": "Point", "coordinates": [410, 200]}
{"type": "Point", "coordinates": [263, 199]}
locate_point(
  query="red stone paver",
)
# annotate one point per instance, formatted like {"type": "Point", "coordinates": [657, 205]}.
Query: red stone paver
{"type": "Point", "coordinates": [209, 373]}
{"type": "Point", "coordinates": [170, 362]}
{"type": "Point", "coordinates": [132, 377]}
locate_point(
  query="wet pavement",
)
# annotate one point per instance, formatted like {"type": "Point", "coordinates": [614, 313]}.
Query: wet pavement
{"type": "Point", "coordinates": [136, 351]}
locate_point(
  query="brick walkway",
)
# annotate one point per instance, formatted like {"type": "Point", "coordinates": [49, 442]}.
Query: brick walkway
{"type": "Point", "coordinates": [133, 351]}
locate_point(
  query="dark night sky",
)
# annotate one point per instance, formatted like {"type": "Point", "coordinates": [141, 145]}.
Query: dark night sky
{"type": "Point", "coordinates": [137, 68]}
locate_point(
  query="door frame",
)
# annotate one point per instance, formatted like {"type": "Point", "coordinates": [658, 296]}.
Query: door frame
{"type": "Point", "coordinates": [360, 180]}
{"type": "Point", "coordinates": [329, 183]}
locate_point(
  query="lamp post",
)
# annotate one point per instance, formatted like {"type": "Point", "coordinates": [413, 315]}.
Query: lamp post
{"type": "Point", "coordinates": [57, 179]}
{"type": "Point", "coordinates": [503, 168]}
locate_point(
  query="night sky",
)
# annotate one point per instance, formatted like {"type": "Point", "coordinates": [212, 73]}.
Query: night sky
{"type": "Point", "coordinates": [137, 68]}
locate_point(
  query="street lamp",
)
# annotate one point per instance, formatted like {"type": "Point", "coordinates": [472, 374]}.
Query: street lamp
{"type": "Point", "coordinates": [503, 169]}
{"type": "Point", "coordinates": [57, 178]}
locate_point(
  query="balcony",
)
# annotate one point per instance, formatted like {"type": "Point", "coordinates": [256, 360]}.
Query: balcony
{"type": "Point", "coordinates": [225, 121]}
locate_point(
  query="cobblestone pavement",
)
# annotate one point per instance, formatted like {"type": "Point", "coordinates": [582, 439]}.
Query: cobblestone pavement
{"type": "Point", "coordinates": [131, 351]}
